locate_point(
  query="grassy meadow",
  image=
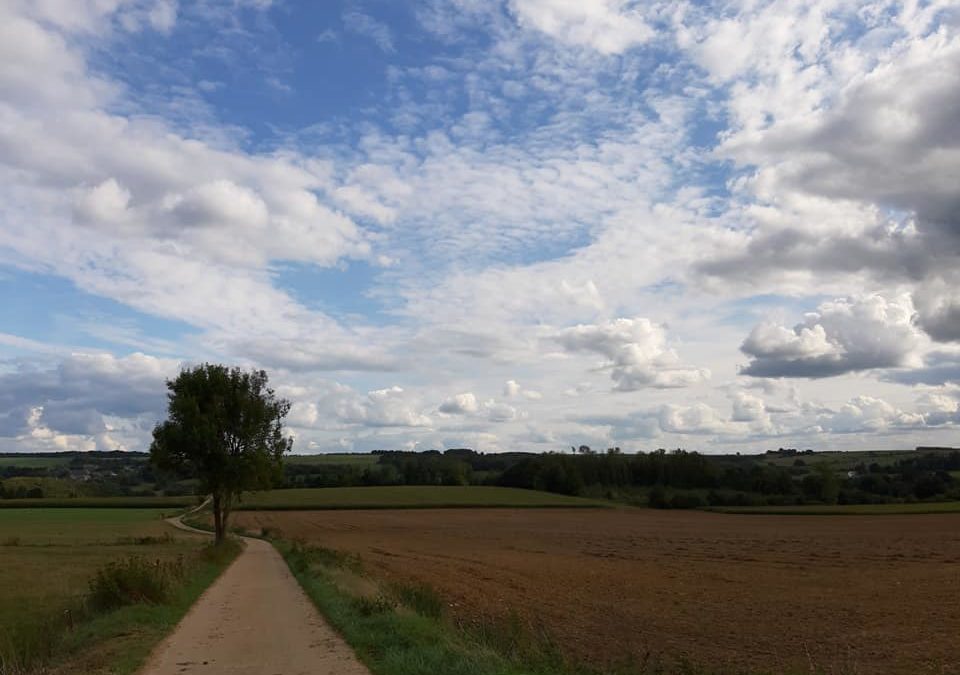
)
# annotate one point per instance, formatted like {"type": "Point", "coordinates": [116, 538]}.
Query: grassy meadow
{"type": "Point", "coordinates": [411, 497]}
{"type": "Point", "coordinates": [68, 546]}
{"type": "Point", "coordinates": [334, 458]}
{"type": "Point", "coordinates": [50, 557]}
{"type": "Point", "coordinates": [34, 461]}
{"type": "Point", "coordinates": [81, 503]}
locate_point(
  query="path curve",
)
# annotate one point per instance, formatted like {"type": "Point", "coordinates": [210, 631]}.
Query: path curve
{"type": "Point", "coordinates": [253, 620]}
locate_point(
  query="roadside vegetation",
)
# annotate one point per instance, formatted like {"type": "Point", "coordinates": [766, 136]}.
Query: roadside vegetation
{"type": "Point", "coordinates": [399, 629]}
{"type": "Point", "coordinates": [93, 590]}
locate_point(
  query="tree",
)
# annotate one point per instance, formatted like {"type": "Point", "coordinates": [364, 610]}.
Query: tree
{"type": "Point", "coordinates": [224, 427]}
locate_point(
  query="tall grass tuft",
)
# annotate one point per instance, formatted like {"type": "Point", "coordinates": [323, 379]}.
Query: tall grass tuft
{"type": "Point", "coordinates": [421, 598]}
{"type": "Point", "coordinates": [131, 581]}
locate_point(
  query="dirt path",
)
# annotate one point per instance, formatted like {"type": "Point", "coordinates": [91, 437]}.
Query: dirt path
{"type": "Point", "coordinates": [254, 620]}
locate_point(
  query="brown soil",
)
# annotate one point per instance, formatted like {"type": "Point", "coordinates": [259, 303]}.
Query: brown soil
{"type": "Point", "coordinates": [849, 594]}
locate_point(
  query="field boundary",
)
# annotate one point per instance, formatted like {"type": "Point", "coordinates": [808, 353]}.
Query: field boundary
{"type": "Point", "coordinates": [407, 507]}
{"type": "Point", "coordinates": [99, 503]}
{"type": "Point", "coordinates": [933, 508]}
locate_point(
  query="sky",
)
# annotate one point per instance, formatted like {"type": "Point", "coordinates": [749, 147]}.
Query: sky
{"type": "Point", "coordinates": [504, 225]}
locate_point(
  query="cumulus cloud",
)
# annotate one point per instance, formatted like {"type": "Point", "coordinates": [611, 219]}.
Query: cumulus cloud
{"type": "Point", "coordinates": [467, 404]}
{"type": "Point", "coordinates": [77, 403]}
{"type": "Point", "coordinates": [390, 407]}
{"type": "Point", "coordinates": [748, 408]}
{"type": "Point", "coordinates": [842, 336]}
{"type": "Point", "coordinates": [938, 308]}
{"type": "Point", "coordinates": [460, 404]}
{"type": "Point", "coordinates": [699, 418]}
{"type": "Point", "coordinates": [512, 389]}
{"type": "Point", "coordinates": [867, 414]}
{"type": "Point", "coordinates": [636, 351]}
{"type": "Point", "coordinates": [844, 125]}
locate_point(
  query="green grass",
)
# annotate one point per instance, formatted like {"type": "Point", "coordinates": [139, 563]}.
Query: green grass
{"type": "Point", "coordinates": [409, 496]}
{"type": "Point", "coordinates": [845, 460]}
{"type": "Point", "coordinates": [32, 462]}
{"type": "Point", "coordinates": [52, 487]}
{"type": "Point", "coordinates": [844, 510]}
{"type": "Point", "coordinates": [393, 638]}
{"type": "Point", "coordinates": [169, 503]}
{"type": "Point", "coordinates": [49, 554]}
{"type": "Point", "coordinates": [49, 557]}
{"type": "Point", "coordinates": [341, 458]}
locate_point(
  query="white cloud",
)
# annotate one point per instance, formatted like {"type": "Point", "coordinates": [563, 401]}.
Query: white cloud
{"type": "Point", "coordinates": [87, 401]}
{"type": "Point", "coordinates": [637, 353]}
{"type": "Point", "coordinates": [698, 418]}
{"type": "Point", "coordinates": [518, 191]}
{"type": "Point", "coordinates": [512, 389]}
{"type": "Point", "coordinates": [460, 404]}
{"type": "Point", "coordinates": [867, 414]}
{"type": "Point", "coordinates": [608, 26]}
{"type": "Point", "coordinates": [390, 407]}
{"type": "Point", "coordinates": [843, 335]}
{"type": "Point", "coordinates": [362, 23]}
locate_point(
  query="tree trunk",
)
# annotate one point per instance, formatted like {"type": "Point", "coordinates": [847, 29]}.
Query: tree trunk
{"type": "Point", "coordinates": [225, 506]}
{"type": "Point", "coordinates": [218, 524]}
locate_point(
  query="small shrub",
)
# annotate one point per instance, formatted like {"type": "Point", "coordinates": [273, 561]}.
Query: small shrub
{"type": "Point", "coordinates": [220, 553]}
{"type": "Point", "coordinates": [371, 606]}
{"type": "Point", "coordinates": [305, 555]}
{"type": "Point", "coordinates": [268, 532]}
{"type": "Point", "coordinates": [420, 598]}
{"type": "Point", "coordinates": [132, 581]}
{"type": "Point", "coordinates": [147, 540]}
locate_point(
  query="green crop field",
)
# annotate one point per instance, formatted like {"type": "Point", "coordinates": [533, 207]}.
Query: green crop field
{"type": "Point", "coordinates": [409, 496]}
{"type": "Point", "coordinates": [169, 503]}
{"type": "Point", "coordinates": [341, 458]}
{"type": "Point", "coordinates": [32, 462]}
{"type": "Point", "coordinates": [844, 510]}
{"type": "Point", "coordinates": [50, 554]}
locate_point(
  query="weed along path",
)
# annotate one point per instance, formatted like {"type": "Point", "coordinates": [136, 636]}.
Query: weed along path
{"type": "Point", "coordinates": [254, 620]}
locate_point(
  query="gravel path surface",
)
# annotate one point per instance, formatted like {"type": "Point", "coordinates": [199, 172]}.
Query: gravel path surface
{"type": "Point", "coordinates": [254, 620]}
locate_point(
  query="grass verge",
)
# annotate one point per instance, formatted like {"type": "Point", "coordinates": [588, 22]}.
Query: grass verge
{"type": "Point", "coordinates": [131, 606]}
{"type": "Point", "coordinates": [398, 629]}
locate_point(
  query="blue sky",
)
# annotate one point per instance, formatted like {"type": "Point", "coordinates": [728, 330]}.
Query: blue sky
{"type": "Point", "coordinates": [525, 224]}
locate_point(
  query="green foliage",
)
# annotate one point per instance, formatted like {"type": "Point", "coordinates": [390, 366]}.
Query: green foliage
{"type": "Point", "coordinates": [421, 598]}
{"type": "Point", "coordinates": [132, 601]}
{"type": "Point", "coordinates": [131, 581]}
{"type": "Point", "coordinates": [225, 428]}
{"type": "Point", "coordinates": [307, 555]}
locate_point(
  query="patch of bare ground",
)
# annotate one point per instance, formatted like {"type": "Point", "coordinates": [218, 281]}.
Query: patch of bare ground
{"type": "Point", "coordinates": [771, 593]}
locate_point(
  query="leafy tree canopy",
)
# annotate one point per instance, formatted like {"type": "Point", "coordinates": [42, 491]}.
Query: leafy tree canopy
{"type": "Point", "coordinates": [224, 427]}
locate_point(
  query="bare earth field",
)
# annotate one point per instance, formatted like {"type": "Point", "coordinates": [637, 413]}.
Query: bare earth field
{"type": "Point", "coordinates": [866, 594]}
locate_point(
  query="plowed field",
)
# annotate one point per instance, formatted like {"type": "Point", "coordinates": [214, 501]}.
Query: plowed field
{"type": "Point", "coordinates": [845, 594]}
